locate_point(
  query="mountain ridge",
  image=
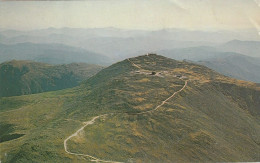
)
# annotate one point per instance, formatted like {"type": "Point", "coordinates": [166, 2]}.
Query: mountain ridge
{"type": "Point", "coordinates": [27, 77]}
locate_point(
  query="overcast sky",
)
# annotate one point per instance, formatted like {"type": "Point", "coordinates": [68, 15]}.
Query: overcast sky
{"type": "Point", "coordinates": [132, 14]}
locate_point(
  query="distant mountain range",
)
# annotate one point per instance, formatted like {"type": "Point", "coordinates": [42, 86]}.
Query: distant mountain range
{"type": "Point", "coordinates": [118, 43]}
{"type": "Point", "coordinates": [27, 77]}
{"type": "Point", "coordinates": [169, 34]}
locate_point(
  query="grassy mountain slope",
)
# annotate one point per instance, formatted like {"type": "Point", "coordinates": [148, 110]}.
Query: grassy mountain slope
{"type": "Point", "coordinates": [214, 118]}
{"type": "Point", "coordinates": [27, 77]}
{"type": "Point", "coordinates": [50, 53]}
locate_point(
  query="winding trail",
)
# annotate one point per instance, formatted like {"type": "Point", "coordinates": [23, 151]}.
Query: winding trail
{"type": "Point", "coordinates": [186, 82]}
{"type": "Point", "coordinates": [94, 159]}
{"type": "Point", "coordinates": [92, 121]}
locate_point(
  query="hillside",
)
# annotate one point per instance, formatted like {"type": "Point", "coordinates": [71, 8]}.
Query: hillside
{"type": "Point", "coordinates": [50, 53]}
{"type": "Point", "coordinates": [143, 109]}
{"type": "Point", "coordinates": [27, 77]}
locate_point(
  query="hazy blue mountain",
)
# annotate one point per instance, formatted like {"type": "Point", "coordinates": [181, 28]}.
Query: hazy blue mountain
{"type": "Point", "coordinates": [50, 53]}
{"type": "Point", "coordinates": [206, 36]}
{"type": "Point", "coordinates": [236, 66]}
{"type": "Point", "coordinates": [251, 48]}
{"type": "Point", "coordinates": [169, 34]}
{"type": "Point", "coordinates": [77, 32]}
{"type": "Point", "coordinates": [194, 53]}
{"type": "Point", "coordinates": [2, 38]}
